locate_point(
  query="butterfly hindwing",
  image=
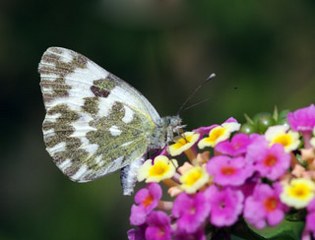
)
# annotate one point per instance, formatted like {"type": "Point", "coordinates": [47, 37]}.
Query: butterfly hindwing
{"type": "Point", "coordinates": [95, 122]}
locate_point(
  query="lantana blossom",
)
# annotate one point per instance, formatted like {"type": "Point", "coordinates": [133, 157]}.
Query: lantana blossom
{"type": "Point", "coordinates": [191, 210]}
{"type": "Point", "coordinates": [259, 176]}
{"type": "Point", "coordinates": [137, 233]}
{"type": "Point", "coordinates": [159, 226]}
{"type": "Point", "coordinates": [159, 169]}
{"type": "Point", "coordinates": [302, 119]}
{"type": "Point", "coordinates": [236, 146]}
{"type": "Point", "coordinates": [219, 134]}
{"type": "Point", "coordinates": [183, 143]}
{"type": "Point", "coordinates": [282, 135]}
{"type": "Point", "coordinates": [146, 199]}
{"type": "Point", "coordinates": [226, 205]}
{"type": "Point", "coordinates": [298, 193]}
{"type": "Point", "coordinates": [310, 220]}
{"type": "Point", "coordinates": [264, 207]}
{"type": "Point", "coordinates": [312, 141]}
{"type": "Point", "coordinates": [270, 161]}
{"type": "Point", "coordinates": [182, 235]}
{"type": "Point", "coordinates": [227, 171]}
{"type": "Point", "coordinates": [193, 179]}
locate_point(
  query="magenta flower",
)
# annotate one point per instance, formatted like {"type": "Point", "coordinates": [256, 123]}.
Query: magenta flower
{"type": "Point", "coordinates": [228, 171]}
{"type": "Point", "coordinates": [136, 233]}
{"type": "Point", "coordinates": [226, 205]}
{"type": "Point", "coordinates": [248, 187]}
{"type": "Point", "coordinates": [264, 206]}
{"type": "Point", "coordinates": [302, 119]}
{"type": "Point", "coordinates": [205, 130]}
{"type": "Point", "coordinates": [190, 211]}
{"type": "Point", "coordinates": [159, 226]}
{"type": "Point", "coordinates": [271, 162]}
{"type": "Point", "coordinates": [146, 200]}
{"type": "Point", "coordinates": [236, 146]}
{"type": "Point", "coordinates": [198, 235]}
{"type": "Point", "coordinates": [310, 221]}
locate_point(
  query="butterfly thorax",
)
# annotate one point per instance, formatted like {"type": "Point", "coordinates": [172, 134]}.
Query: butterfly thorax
{"type": "Point", "coordinates": [164, 132]}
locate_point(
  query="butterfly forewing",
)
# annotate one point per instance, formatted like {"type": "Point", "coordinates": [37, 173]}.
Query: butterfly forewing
{"type": "Point", "coordinates": [95, 122]}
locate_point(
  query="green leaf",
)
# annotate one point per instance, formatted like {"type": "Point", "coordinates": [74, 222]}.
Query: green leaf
{"type": "Point", "coordinates": [248, 119]}
{"type": "Point", "coordinates": [283, 117]}
{"type": "Point", "coordinates": [275, 114]}
{"type": "Point", "coordinates": [289, 230]}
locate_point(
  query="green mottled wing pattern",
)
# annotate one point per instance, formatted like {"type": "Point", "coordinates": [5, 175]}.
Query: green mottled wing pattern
{"type": "Point", "coordinates": [95, 123]}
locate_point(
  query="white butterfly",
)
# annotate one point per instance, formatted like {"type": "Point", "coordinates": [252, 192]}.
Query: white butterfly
{"type": "Point", "coordinates": [95, 122]}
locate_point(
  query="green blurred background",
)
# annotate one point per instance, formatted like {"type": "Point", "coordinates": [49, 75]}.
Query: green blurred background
{"type": "Point", "coordinates": [263, 53]}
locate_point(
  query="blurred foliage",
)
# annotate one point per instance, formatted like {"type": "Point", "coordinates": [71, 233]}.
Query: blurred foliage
{"type": "Point", "coordinates": [263, 53]}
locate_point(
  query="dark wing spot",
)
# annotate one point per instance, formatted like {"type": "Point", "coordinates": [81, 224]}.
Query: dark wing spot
{"type": "Point", "coordinates": [98, 92]}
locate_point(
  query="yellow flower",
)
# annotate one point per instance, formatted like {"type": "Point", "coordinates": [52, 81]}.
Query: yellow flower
{"type": "Point", "coordinates": [193, 179]}
{"type": "Point", "coordinates": [280, 134]}
{"type": "Point", "coordinates": [183, 143]}
{"type": "Point", "coordinates": [298, 193]}
{"type": "Point", "coordinates": [219, 134]}
{"type": "Point", "coordinates": [313, 139]}
{"type": "Point", "coordinates": [162, 168]}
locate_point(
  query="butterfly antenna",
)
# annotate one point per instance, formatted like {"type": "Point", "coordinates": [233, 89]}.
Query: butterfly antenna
{"type": "Point", "coordinates": [211, 76]}
{"type": "Point", "coordinates": [196, 104]}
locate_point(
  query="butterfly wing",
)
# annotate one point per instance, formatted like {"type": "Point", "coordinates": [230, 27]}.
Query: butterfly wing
{"type": "Point", "coordinates": [95, 123]}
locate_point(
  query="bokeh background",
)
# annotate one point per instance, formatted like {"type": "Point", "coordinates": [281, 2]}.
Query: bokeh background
{"type": "Point", "coordinates": [263, 53]}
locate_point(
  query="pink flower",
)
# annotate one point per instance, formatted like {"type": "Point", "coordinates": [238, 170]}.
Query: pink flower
{"type": "Point", "coordinates": [146, 200]}
{"type": "Point", "coordinates": [198, 235]}
{"type": "Point", "coordinates": [310, 221]}
{"type": "Point", "coordinates": [271, 162]}
{"type": "Point", "coordinates": [205, 130]}
{"type": "Point", "coordinates": [190, 211]}
{"type": "Point", "coordinates": [136, 233]}
{"type": "Point", "coordinates": [248, 187]}
{"type": "Point", "coordinates": [302, 119]}
{"type": "Point", "coordinates": [226, 205]}
{"type": "Point", "coordinates": [159, 226]}
{"type": "Point", "coordinates": [264, 206]}
{"type": "Point", "coordinates": [236, 146]}
{"type": "Point", "coordinates": [228, 171]}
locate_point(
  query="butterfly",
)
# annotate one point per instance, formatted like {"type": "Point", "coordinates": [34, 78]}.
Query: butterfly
{"type": "Point", "coordinates": [95, 122]}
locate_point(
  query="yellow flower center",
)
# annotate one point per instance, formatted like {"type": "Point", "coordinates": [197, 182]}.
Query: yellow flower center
{"type": "Point", "coordinates": [183, 144]}
{"type": "Point", "coordinates": [162, 168]}
{"type": "Point", "coordinates": [182, 141]}
{"type": "Point", "coordinates": [159, 168]}
{"type": "Point", "coordinates": [285, 139]}
{"type": "Point", "coordinates": [216, 133]}
{"type": "Point", "coordinates": [192, 176]}
{"type": "Point", "coordinates": [300, 191]}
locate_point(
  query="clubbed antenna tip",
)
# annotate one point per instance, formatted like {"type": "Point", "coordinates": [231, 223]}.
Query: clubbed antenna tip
{"type": "Point", "coordinates": [211, 76]}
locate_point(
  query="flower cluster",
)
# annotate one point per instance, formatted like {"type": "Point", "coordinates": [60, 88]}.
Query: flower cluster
{"type": "Point", "coordinates": [234, 175]}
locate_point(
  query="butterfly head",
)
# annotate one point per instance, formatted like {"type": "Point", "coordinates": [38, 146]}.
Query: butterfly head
{"type": "Point", "coordinates": [173, 125]}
